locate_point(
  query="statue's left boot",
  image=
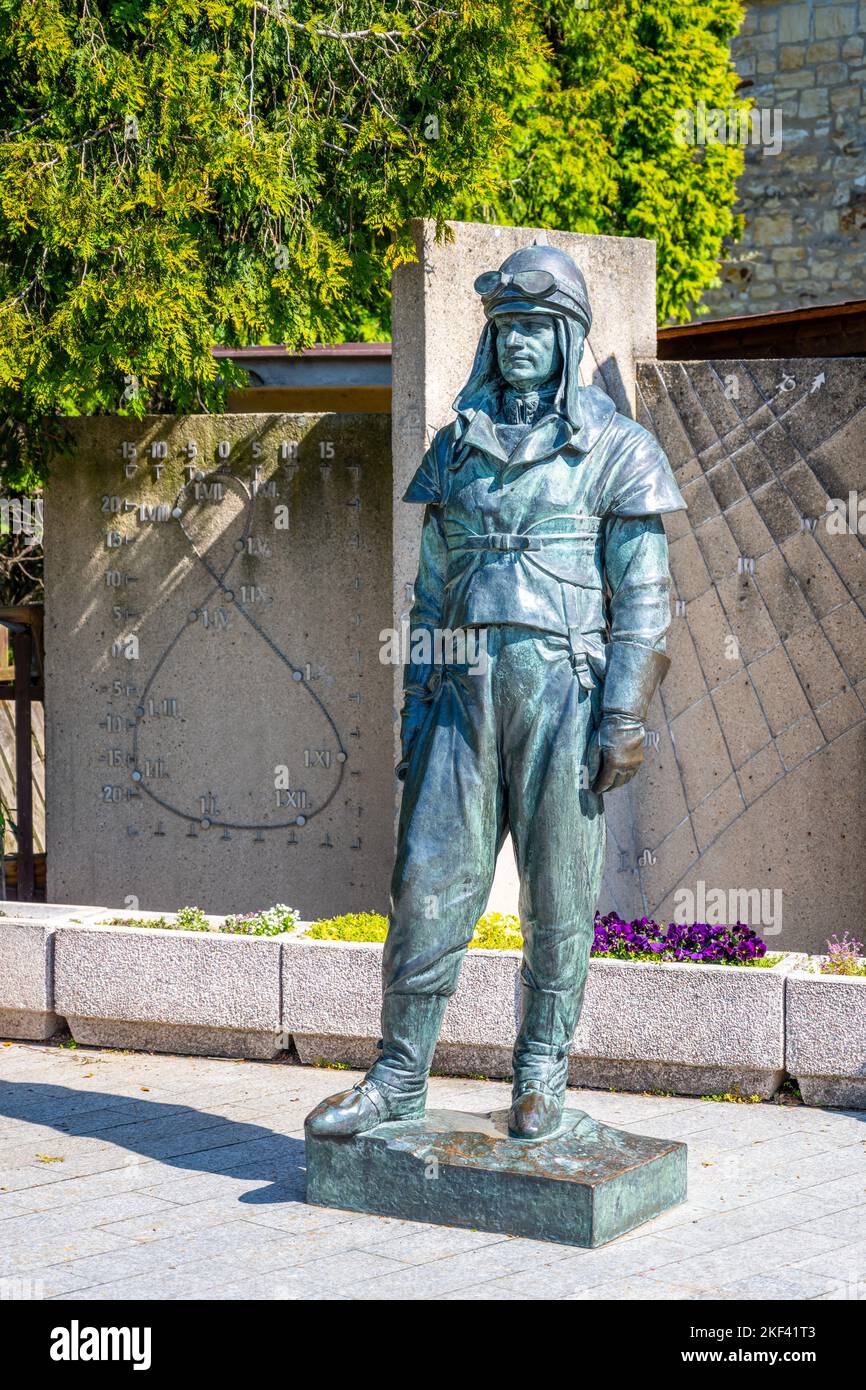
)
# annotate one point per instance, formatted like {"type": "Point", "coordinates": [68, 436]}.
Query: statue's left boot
{"type": "Point", "coordinates": [363, 1107]}
{"type": "Point", "coordinates": [540, 1064]}
{"type": "Point", "coordinates": [536, 1112]}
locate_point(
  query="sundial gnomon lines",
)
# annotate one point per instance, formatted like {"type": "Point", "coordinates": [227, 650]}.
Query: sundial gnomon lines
{"type": "Point", "coordinates": [225, 592]}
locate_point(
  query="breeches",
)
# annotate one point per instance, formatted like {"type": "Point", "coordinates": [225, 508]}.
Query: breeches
{"type": "Point", "coordinates": [504, 749]}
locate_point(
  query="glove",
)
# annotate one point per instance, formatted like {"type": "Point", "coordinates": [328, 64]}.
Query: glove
{"type": "Point", "coordinates": [620, 742]}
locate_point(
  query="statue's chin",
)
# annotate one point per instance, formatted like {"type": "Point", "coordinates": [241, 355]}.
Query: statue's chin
{"type": "Point", "coordinates": [531, 382]}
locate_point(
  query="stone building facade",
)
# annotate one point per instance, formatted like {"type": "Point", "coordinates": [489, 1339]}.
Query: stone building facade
{"type": "Point", "coordinates": [805, 206]}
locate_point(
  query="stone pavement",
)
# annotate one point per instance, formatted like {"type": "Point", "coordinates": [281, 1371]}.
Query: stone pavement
{"type": "Point", "coordinates": [128, 1175]}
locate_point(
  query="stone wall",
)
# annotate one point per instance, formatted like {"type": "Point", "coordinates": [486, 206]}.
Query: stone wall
{"type": "Point", "coordinates": [805, 207]}
{"type": "Point", "coordinates": [753, 798]}
{"type": "Point", "coordinates": [218, 721]}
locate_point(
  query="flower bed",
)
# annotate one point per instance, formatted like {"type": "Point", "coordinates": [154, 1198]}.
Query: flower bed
{"type": "Point", "coordinates": [698, 943]}
{"type": "Point", "coordinates": [272, 921]}
{"type": "Point", "coordinates": [643, 939]}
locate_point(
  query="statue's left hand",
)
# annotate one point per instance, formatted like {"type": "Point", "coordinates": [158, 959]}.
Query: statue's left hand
{"type": "Point", "coordinates": [621, 744]}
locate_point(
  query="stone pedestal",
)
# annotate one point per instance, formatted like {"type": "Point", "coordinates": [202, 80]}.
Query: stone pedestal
{"type": "Point", "coordinates": [584, 1186]}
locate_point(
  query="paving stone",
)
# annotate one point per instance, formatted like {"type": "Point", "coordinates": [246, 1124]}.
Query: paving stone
{"type": "Point", "coordinates": [792, 1284]}
{"type": "Point", "coordinates": [491, 1292]}
{"type": "Point", "coordinates": [425, 1243]}
{"type": "Point", "coordinates": [641, 1287]}
{"type": "Point", "coordinates": [351, 1268]}
{"type": "Point", "coordinates": [110, 1214]}
{"type": "Point", "coordinates": [461, 1270]}
{"type": "Point", "coordinates": [846, 1263]}
{"type": "Point", "coordinates": [760, 1255]}
{"type": "Point", "coordinates": [845, 1224]}
{"type": "Point", "coordinates": [780, 1210]}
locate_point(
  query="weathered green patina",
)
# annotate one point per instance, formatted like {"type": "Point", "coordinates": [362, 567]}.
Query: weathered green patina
{"type": "Point", "coordinates": [583, 1186]}
{"type": "Point", "coordinates": [542, 537]}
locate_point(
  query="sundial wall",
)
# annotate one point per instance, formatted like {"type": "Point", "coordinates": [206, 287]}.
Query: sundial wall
{"type": "Point", "coordinates": [218, 719]}
{"type": "Point", "coordinates": [752, 800]}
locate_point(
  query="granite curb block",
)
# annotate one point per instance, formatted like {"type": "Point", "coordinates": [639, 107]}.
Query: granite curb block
{"type": "Point", "coordinates": [158, 990]}
{"type": "Point", "coordinates": [692, 1029]}
{"type": "Point", "coordinates": [27, 980]}
{"type": "Point", "coordinates": [825, 1037]}
{"type": "Point", "coordinates": [332, 994]}
{"type": "Point", "coordinates": [27, 966]}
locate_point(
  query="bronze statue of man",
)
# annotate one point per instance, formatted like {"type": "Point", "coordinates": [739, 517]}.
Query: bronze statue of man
{"type": "Point", "coordinates": [542, 532]}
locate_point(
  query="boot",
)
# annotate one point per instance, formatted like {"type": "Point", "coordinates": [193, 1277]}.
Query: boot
{"type": "Point", "coordinates": [536, 1111]}
{"type": "Point", "coordinates": [548, 1019]}
{"type": "Point", "coordinates": [395, 1087]}
{"type": "Point", "coordinates": [363, 1107]}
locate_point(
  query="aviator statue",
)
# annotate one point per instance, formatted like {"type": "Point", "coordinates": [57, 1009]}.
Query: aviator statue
{"type": "Point", "coordinates": [542, 535]}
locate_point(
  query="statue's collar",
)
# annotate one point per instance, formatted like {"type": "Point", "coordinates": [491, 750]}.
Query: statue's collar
{"type": "Point", "coordinates": [475, 429]}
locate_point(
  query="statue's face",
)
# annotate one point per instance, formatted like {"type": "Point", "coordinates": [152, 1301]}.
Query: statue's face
{"type": "Point", "coordinates": [526, 349]}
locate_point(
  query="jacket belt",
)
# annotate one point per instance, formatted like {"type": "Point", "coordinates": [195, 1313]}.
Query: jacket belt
{"type": "Point", "coordinates": [505, 540]}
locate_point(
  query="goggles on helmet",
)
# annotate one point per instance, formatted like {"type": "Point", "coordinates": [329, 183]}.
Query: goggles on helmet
{"type": "Point", "coordinates": [537, 283]}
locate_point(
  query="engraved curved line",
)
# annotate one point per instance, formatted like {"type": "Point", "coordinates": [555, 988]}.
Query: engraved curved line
{"type": "Point", "coordinates": [747, 806]}
{"type": "Point", "coordinates": [827, 743]}
{"type": "Point", "coordinates": [220, 585]}
{"type": "Point", "coordinates": [775, 545]}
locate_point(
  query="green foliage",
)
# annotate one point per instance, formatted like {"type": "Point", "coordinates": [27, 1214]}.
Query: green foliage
{"type": "Point", "coordinates": [493, 931]}
{"type": "Point", "coordinates": [174, 176]}
{"type": "Point", "coordinates": [497, 931]}
{"type": "Point", "coordinates": [845, 956]}
{"type": "Point", "coordinates": [271, 921]}
{"type": "Point", "coordinates": [221, 171]}
{"type": "Point", "coordinates": [191, 919]}
{"type": "Point", "coordinates": [734, 1097]}
{"type": "Point", "coordinates": [594, 133]}
{"type": "Point", "coordinates": [351, 926]}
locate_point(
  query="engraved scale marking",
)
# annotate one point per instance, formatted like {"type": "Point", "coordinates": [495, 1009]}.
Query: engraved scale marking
{"type": "Point", "coordinates": [220, 586]}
